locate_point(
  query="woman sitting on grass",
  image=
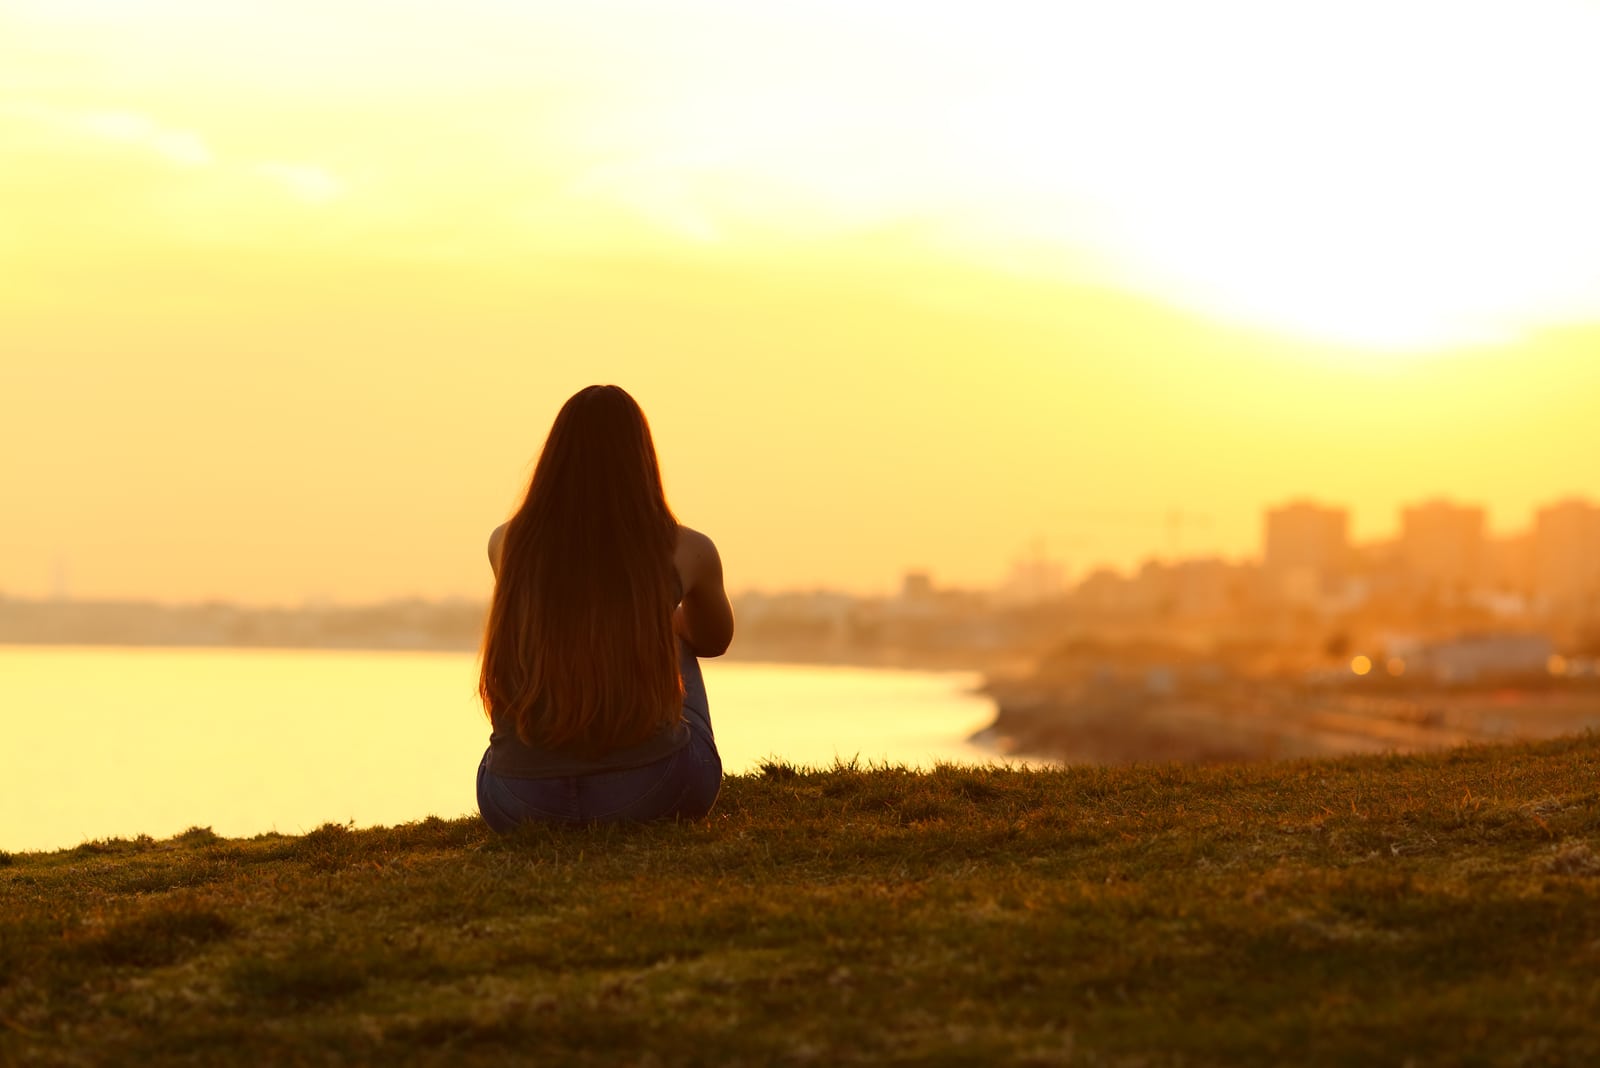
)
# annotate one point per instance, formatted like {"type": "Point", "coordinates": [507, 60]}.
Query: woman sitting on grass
{"type": "Point", "coordinates": [602, 602]}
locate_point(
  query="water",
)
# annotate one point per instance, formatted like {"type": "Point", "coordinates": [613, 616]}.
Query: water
{"type": "Point", "coordinates": [102, 743]}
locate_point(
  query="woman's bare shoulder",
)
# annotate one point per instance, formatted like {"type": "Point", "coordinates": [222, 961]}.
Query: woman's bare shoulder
{"type": "Point", "coordinates": [696, 557]}
{"type": "Point", "coordinates": [693, 540]}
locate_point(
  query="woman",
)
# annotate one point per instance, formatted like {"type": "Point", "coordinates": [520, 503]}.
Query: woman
{"type": "Point", "coordinates": [602, 602]}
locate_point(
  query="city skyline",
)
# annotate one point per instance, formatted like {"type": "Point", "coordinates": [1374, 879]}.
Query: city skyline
{"type": "Point", "coordinates": [1442, 541]}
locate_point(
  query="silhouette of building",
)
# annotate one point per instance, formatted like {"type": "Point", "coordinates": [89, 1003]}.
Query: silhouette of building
{"type": "Point", "coordinates": [1508, 564]}
{"type": "Point", "coordinates": [1193, 589]}
{"type": "Point", "coordinates": [1442, 546]}
{"type": "Point", "coordinates": [1566, 553]}
{"type": "Point", "coordinates": [1033, 579]}
{"type": "Point", "coordinates": [1472, 658]}
{"type": "Point", "coordinates": [1307, 549]}
{"type": "Point", "coordinates": [1104, 592]}
{"type": "Point", "coordinates": [916, 586]}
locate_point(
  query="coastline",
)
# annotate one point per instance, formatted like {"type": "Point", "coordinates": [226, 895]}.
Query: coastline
{"type": "Point", "coordinates": [1249, 722]}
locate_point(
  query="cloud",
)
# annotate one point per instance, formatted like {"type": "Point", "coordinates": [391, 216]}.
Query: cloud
{"type": "Point", "coordinates": [178, 147]}
{"type": "Point", "coordinates": [182, 148]}
{"type": "Point", "coordinates": [304, 181]}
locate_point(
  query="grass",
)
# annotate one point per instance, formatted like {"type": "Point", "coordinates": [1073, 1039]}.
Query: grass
{"type": "Point", "coordinates": [1433, 909]}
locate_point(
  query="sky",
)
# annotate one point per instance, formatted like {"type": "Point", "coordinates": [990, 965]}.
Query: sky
{"type": "Point", "coordinates": [289, 295]}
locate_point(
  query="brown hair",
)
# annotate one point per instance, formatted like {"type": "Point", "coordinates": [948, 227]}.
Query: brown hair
{"type": "Point", "coordinates": [579, 651]}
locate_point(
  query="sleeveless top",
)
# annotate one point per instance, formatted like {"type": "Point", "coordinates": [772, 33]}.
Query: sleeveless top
{"type": "Point", "coordinates": [513, 758]}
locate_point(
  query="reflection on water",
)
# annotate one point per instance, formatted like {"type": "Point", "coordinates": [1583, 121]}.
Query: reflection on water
{"type": "Point", "coordinates": [99, 743]}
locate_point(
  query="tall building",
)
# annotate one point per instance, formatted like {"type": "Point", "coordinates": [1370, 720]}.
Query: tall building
{"type": "Point", "coordinates": [1566, 553]}
{"type": "Point", "coordinates": [1307, 546]}
{"type": "Point", "coordinates": [1508, 563]}
{"type": "Point", "coordinates": [1442, 545]}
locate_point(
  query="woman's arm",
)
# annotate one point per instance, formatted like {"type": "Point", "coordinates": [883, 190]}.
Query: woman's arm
{"type": "Point", "coordinates": [705, 618]}
{"type": "Point", "coordinates": [497, 544]}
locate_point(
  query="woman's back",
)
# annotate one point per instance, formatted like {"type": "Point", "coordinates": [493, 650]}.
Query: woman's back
{"type": "Point", "coordinates": [602, 602]}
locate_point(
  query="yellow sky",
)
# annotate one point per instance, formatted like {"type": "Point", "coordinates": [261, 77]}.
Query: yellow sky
{"type": "Point", "coordinates": [288, 298]}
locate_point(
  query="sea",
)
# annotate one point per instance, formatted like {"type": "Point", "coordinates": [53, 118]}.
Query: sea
{"type": "Point", "coordinates": [99, 742]}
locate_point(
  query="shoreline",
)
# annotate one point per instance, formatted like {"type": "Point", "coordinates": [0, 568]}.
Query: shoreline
{"type": "Point", "coordinates": [1276, 722]}
{"type": "Point", "coordinates": [889, 660]}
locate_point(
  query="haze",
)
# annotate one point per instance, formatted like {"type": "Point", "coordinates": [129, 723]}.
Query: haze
{"type": "Point", "coordinates": [289, 296]}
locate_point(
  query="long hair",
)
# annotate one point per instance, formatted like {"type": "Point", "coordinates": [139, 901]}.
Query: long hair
{"type": "Point", "coordinates": [578, 651]}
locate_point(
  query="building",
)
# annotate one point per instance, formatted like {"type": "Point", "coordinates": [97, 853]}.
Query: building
{"type": "Point", "coordinates": [1482, 658]}
{"type": "Point", "coordinates": [916, 586]}
{"type": "Point", "coordinates": [1508, 564]}
{"type": "Point", "coordinates": [1034, 579]}
{"type": "Point", "coordinates": [1442, 546]}
{"type": "Point", "coordinates": [1201, 588]}
{"type": "Point", "coordinates": [1566, 554]}
{"type": "Point", "coordinates": [1307, 549]}
{"type": "Point", "coordinates": [1104, 592]}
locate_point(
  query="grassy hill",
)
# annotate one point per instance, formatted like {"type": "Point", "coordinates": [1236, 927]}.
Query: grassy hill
{"type": "Point", "coordinates": [1422, 910]}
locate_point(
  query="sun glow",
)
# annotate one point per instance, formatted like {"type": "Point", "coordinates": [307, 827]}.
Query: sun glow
{"type": "Point", "coordinates": [1155, 255]}
{"type": "Point", "coordinates": [1397, 176]}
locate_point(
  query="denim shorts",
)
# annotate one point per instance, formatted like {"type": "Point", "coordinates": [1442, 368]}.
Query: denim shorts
{"type": "Point", "coordinates": [681, 786]}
